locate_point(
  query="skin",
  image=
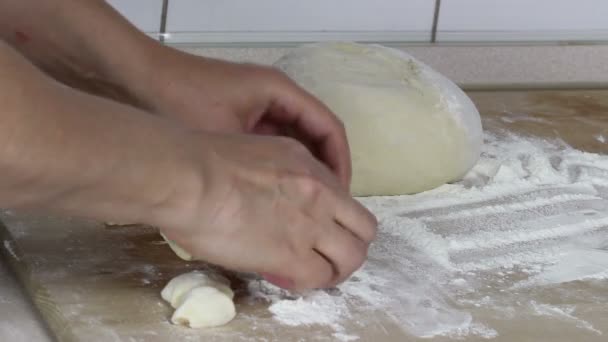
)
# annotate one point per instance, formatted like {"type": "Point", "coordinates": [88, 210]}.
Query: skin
{"type": "Point", "coordinates": [235, 162]}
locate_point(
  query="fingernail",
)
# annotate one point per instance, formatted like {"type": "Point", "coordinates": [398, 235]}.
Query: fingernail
{"type": "Point", "coordinates": [278, 281]}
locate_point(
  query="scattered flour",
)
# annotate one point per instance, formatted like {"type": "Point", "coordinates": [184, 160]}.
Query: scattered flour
{"type": "Point", "coordinates": [474, 329]}
{"type": "Point", "coordinates": [531, 214]}
{"type": "Point", "coordinates": [316, 308]}
{"type": "Point", "coordinates": [564, 313]}
{"type": "Point", "coordinates": [601, 138]}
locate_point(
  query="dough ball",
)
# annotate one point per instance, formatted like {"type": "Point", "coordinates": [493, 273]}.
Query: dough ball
{"type": "Point", "coordinates": [410, 129]}
{"type": "Point", "coordinates": [204, 306]}
{"type": "Point", "coordinates": [179, 286]}
{"type": "Point", "coordinates": [200, 299]}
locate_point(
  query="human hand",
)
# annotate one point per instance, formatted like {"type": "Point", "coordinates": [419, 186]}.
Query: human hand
{"type": "Point", "coordinates": [266, 205]}
{"type": "Point", "coordinates": [220, 96]}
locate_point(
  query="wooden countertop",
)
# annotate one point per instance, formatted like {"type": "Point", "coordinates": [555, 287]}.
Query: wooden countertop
{"type": "Point", "coordinates": [91, 281]}
{"type": "Point", "coordinates": [579, 117]}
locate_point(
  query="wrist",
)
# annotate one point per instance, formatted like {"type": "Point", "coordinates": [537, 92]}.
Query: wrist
{"type": "Point", "coordinates": [173, 81]}
{"type": "Point", "coordinates": [181, 190]}
{"type": "Point", "coordinates": [77, 154]}
{"type": "Point", "coordinates": [152, 81]}
{"type": "Point", "coordinates": [130, 166]}
{"type": "Point", "coordinates": [137, 71]}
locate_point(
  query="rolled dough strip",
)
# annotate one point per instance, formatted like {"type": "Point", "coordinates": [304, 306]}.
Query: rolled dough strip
{"type": "Point", "coordinates": [180, 252]}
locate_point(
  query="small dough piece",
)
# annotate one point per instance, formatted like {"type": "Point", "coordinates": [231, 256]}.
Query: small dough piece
{"type": "Point", "coordinates": [180, 252]}
{"type": "Point", "coordinates": [204, 306]}
{"type": "Point", "coordinates": [179, 286]}
{"type": "Point", "coordinates": [200, 299]}
{"type": "Point", "coordinates": [410, 129]}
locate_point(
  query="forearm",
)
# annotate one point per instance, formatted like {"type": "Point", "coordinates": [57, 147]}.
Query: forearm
{"type": "Point", "coordinates": [70, 152]}
{"type": "Point", "coordinates": [83, 43]}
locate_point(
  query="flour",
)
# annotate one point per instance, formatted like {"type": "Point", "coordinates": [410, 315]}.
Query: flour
{"type": "Point", "coordinates": [562, 313]}
{"type": "Point", "coordinates": [531, 215]}
{"type": "Point", "coordinates": [317, 308]}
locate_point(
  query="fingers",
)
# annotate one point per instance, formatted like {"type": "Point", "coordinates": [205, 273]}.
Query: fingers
{"type": "Point", "coordinates": [343, 228]}
{"type": "Point", "coordinates": [345, 251]}
{"type": "Point", "coordinates": [310, 271]}
{"type": "Point", "coordinates": [320, 251]}
{"type": "Point", "coordinates": [351, 228]}
{"type": "Point", "coordinates": [347, 211]}
{"type": "Point", "coordinates": [316, 124]}
{"type": "Point", "coordinates": [353, 216]}
{"type": "Point", "coordinates": [345, 240]}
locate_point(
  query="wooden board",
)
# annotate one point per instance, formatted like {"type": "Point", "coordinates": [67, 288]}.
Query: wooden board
{"type": "Point", "coordinates": [91, 280]}
{"type": "Point", "coordinates": [94, 283]}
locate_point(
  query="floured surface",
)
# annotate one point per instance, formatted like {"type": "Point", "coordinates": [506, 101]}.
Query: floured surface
{"type": "Point", "coordinates": [517, 251]}
{"type": "Point", "coordinates": [524, 238]}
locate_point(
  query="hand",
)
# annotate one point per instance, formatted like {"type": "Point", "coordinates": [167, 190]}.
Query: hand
{"type": "Point", "coordinates": [219, 96]}
{"type": "Point", "coordinates": [268, 206]}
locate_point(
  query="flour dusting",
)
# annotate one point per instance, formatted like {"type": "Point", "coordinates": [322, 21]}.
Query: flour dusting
{"type": "Point", "coordinates": [532, 214]}
{"type": "Point", "coordinates": [564, 313]}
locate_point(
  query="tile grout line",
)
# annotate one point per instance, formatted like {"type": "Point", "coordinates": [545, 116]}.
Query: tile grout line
{"type": "Point", "coordinates": [163, 21]}
{"type": "Point", "coordinates": [435, 21]}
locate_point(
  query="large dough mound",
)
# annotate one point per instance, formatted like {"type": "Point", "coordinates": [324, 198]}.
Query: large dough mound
{"type": "Point", "coordinates": [410, 129]}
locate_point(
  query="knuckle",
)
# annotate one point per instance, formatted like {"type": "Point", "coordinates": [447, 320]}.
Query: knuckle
{"type": "Point", "coordinates": [309, 186]}
{"type": "Point", "coordinates": [299, 242]}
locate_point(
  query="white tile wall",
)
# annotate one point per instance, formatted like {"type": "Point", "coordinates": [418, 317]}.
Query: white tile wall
{"type": "Point", "coordinates": [288, 19]}
{"type": "Point", "coordinates": [523, 20]}
{"type": "Point", "coordinates": [145, 14]}
{"type": "Point", "coordinates": [221, 21]}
